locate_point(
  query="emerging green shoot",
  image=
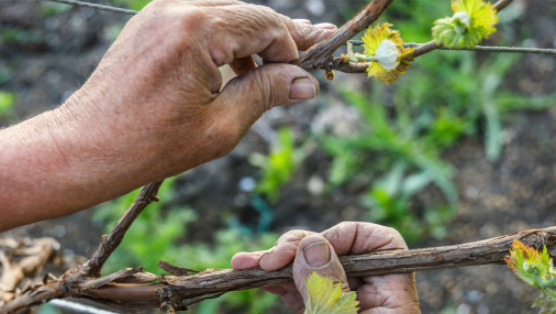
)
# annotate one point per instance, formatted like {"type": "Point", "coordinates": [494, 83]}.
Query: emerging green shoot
{"type": "Point", "coordinates": [385, 51]}
{"type": "Point", "coordinates": [536, 269]}
{"type": "Point", "coordinates": [532, 266]}
{"type": "Point", "coordinates": [473, 21]}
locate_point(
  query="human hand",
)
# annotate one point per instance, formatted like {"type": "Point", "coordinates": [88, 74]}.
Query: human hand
{"type": "Point", "coordinates": [312, 252]}
{"type": "Point", "coordinates": [158, 88]}
{"type": "Point", "coordinates": [155, 106]}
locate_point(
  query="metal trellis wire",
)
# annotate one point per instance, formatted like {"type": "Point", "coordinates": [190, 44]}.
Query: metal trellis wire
{"type": "Point", "coordinates": [354, 42]}
{"type": "Point", "coordinates": [480, 48]}
{"type": "Point", "coordinates": [96, 6]}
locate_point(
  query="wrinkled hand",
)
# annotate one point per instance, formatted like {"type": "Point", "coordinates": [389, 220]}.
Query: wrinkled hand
{"type": "Point", "coordinates": [155, 106]}
{"type": "Point", "coordinates": [392, 294]}
{"type": "Point", "coordinates": [158, 88]}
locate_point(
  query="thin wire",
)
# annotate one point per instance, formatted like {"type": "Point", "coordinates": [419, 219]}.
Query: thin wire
{"type": "Point", "coordinates": [96, 6]}
{"type": "Point", "coordinates": [355, 42]}
{"type": "Point", "coordinates": [481, 48]}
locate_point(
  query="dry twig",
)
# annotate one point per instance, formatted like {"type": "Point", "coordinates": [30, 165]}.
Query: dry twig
{"type": "Point", "coordinates": [23, 258]}
{"type": "Point", "coordinates": [111, 241]}
{"type": "Point", "coordinates": [320, 55]}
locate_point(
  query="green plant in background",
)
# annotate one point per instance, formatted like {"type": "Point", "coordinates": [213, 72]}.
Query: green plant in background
{"type": "Point", "coordinates": [159, 233]}
{"type": "Point", "coordinates": [19, 35]}
{"type": "Point", "coordinates": [394, 149]}
{"type": "Point", "coordinates": [7, 101]}
{"type": "Point", "coordinates": [53, 9]}
{"type": "Point", "coordinates": [278, 166]}
{"type": "Point", "coordinates": [132, 4]}
{"type": "Point", "coordinates": [399, 140]}
{"type": "Point", "coordinates": [537, 270]}
{"type": "Point", "coordinates": [389, 200]}
{"type": "Point", "coordinates": [153, 234]}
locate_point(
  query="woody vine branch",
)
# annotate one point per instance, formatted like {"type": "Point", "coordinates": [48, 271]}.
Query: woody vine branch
{"type": "Point", "coordinates": [135, 289]}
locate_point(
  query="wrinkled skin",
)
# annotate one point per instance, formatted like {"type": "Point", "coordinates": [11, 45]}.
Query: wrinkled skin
{"type": "Point", "coordinates": [155, 106]}
{"type": "Point", "coordinates": [309, 251]}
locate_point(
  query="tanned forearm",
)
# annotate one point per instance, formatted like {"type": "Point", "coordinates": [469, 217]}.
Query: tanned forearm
{"type": "Point", "coordinates": [51, 166]}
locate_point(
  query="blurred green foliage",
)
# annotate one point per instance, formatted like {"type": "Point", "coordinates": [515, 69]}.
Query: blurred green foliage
{"type": "Point", "coordinates": [278, 166]}
{"type": "Point", "coordinates": [5, 74]}
{"type": "Point", "coordinates": [7, 101]}
{"type": "Point", "coordinates": [131, 4]}
{"type": "Point", "coordinates": [389, 198]}
{"type": "Point", "coordinates": [404, 128]}
{"type": "Point", "coordinates": [398, 150]}
{"type": "Point", "coordinates": [53, 9]}
{"type": "Point", "coordinates": [20, 35]}
{"type": "Point", "coordinates": [159, 233]}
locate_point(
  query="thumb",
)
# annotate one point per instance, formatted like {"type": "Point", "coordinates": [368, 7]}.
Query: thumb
{"type": "Point", "coordinates": [246, 97]}
{"type": "Point", "coordinates": [315, 254]}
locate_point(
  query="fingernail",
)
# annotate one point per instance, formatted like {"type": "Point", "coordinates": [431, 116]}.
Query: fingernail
{"type": "Point", "coordinates": [325, 26]}
{"type": "Point", "coordinates": [302, 88]}
{"type": "Point", "coordinates": [317, 254]}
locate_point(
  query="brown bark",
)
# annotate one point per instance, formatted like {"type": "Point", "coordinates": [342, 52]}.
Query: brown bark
{"type": "Point", "coordinates": [23, 258]}
{"type": "Point", "coordinates": [320, 55]}
{"type": "Point", "coordinates": [111, 241]}
{"type": "Point", "coordinates": [176, 292]}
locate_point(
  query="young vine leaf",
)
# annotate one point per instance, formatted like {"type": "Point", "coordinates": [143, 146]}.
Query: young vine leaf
{"type": "Point", "coordinates": [473, 20]}
{"type": "Point", "coordinates": [532, 266]}
{"type": "Point", "coordinates": [385, 51]}
{"type": "Point", "coordinates": [325, 298]}
{"type": "Point", "coordinates": [536, 269]}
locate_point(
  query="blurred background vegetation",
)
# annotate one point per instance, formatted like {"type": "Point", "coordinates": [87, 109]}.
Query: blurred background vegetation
{"type": "Point", "coordinates": [378, 146]}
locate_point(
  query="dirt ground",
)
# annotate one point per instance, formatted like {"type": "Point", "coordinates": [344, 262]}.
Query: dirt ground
{"type": "Point", "coordinates": [515, 193]}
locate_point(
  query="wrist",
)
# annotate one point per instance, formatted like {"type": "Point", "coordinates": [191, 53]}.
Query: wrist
{"type": "Point", "coordinates": [58, 163]}
{"type": "Point", "coordinates": [98, 156]}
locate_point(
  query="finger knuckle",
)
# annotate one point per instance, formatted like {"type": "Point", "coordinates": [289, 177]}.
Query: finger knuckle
{"type": "Point", "coordinates": [345, 225]}
{"type": "Point", "coordinates": [264, 83]}
{"type": "Point", "coordinates": [339, 231]}
{"type": "Point", "coordinates": [294, 236]}
{"type": "Point", "coordinates": [396, 238]}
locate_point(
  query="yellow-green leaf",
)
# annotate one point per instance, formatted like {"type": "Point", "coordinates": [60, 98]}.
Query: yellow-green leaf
{"type": "Point", "coordinates": [473, 21]}
{"type": "Point", "coordinates": [532, 266]}
{"type": "Point", "coordinates": [384, 47]}
{"type": "Point", "coordinates": [325, 298]}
